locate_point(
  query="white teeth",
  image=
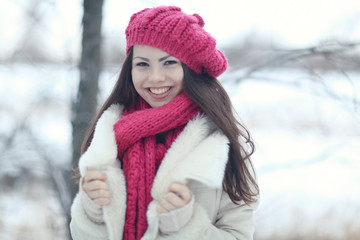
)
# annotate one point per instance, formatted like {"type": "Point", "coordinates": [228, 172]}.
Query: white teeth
{"type": "Point", "coordinates": [159, 91]}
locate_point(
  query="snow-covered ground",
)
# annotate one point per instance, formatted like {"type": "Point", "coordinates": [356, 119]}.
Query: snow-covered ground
{"type": "Point", "coordinates": [307, 149]}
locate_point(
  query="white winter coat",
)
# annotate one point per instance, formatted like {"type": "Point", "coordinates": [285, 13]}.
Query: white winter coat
{"type": "Point", "coordinates": [196, 158]}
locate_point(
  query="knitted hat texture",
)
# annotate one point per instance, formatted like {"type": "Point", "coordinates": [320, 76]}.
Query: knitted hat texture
{"type": "Point", "coordinates": [179, 34]}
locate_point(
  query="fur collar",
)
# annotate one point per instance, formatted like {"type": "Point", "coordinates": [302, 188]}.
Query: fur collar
{"type": "Point", "coordinates": [199, 153]}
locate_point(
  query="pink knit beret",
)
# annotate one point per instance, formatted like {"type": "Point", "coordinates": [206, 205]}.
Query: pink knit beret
{"type": "Point", "coordinates": [179, 34]}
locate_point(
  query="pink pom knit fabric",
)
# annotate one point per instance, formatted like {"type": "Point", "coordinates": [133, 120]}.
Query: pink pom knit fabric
{"type": "Point", "coordinates": [179, 34]}
{"type": "Point", "coordinates": [141, 155]}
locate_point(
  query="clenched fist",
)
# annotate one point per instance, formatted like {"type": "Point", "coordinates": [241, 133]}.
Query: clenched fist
{"type": "Point", "coordinates": [178, 196]}
{"type": "Point", "coordinates": [95, 186]}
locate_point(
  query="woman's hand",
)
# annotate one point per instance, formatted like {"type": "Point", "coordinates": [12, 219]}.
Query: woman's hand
{"type": "Point", "coordinates": [178, 196]}
{"type": "Point", "coordinates": [96, 188]}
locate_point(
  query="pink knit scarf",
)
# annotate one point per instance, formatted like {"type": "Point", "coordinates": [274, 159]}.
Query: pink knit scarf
{"type": "Point", "coordinates": [141, 155]}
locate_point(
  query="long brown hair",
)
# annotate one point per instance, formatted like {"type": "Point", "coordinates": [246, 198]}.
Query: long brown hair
{"type": "Point", "coordinates": [239, 180]}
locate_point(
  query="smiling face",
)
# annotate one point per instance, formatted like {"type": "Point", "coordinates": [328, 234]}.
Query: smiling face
{"type": "Point", "coordinates": [157, 76]}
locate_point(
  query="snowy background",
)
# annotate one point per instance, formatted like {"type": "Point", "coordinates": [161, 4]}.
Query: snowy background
{"type": "Point", "coordinates": [307, 140]}
{"type": "Point", "coordinates": [307, 157]}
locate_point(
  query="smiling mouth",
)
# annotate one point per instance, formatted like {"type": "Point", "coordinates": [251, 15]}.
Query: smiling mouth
{"type": "Point", "coordinates": [159, 91]}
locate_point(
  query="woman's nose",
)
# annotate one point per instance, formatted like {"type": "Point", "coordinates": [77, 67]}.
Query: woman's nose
{"type": "Point", "coordinates": [157, 75]}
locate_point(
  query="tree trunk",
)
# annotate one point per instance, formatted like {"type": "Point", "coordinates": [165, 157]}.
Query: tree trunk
{"type": "Point", "coordinates": [85, 104]}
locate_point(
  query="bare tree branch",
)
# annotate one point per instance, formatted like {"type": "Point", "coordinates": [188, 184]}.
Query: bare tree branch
{"type": "Point", "coordinates": [56, 175]}
{"type": "Point", "coordinates": [340, 57]}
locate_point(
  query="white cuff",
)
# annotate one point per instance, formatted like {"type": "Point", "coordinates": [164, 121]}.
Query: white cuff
{"type": "Point", "coordinates": [172, 221]}
{"type": "Point", "coordinates": [92, 210]}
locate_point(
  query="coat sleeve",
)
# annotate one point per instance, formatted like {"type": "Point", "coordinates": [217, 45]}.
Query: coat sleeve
{"type": "Point", "coordinates": [233, 221]}
{"type": "Point", "coordinates": [81, 227]}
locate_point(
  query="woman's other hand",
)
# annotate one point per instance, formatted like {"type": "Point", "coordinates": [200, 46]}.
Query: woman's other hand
{"type": "Point", "coordinates": [178, 196]}
{"type": "Point", "coordinates": [95, 186]}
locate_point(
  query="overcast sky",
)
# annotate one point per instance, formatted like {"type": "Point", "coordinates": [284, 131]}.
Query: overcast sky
{"type": "Point", "coordinates": [292, 23]}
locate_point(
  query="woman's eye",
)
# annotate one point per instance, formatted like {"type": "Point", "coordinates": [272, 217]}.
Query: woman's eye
{"type": "Point", "coordinates": [142, 64]}
{"type": "Point", "coordinates": [170, 62]}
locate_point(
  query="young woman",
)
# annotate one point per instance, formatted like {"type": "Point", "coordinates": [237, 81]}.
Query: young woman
{"type": "Point", "coordinates": [165, 157]}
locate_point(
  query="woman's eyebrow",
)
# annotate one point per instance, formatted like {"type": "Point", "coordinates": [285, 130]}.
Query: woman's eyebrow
{"type": "Point", "coordinates": [142, 58]}
{"type": "Point", "coordinates": [164, 58]}
{"type": "Point", "coordinates": [147, 60]}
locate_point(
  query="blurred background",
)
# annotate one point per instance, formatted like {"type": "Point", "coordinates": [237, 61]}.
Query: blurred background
{"type": "Point", "coordinates": [294, 80]}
